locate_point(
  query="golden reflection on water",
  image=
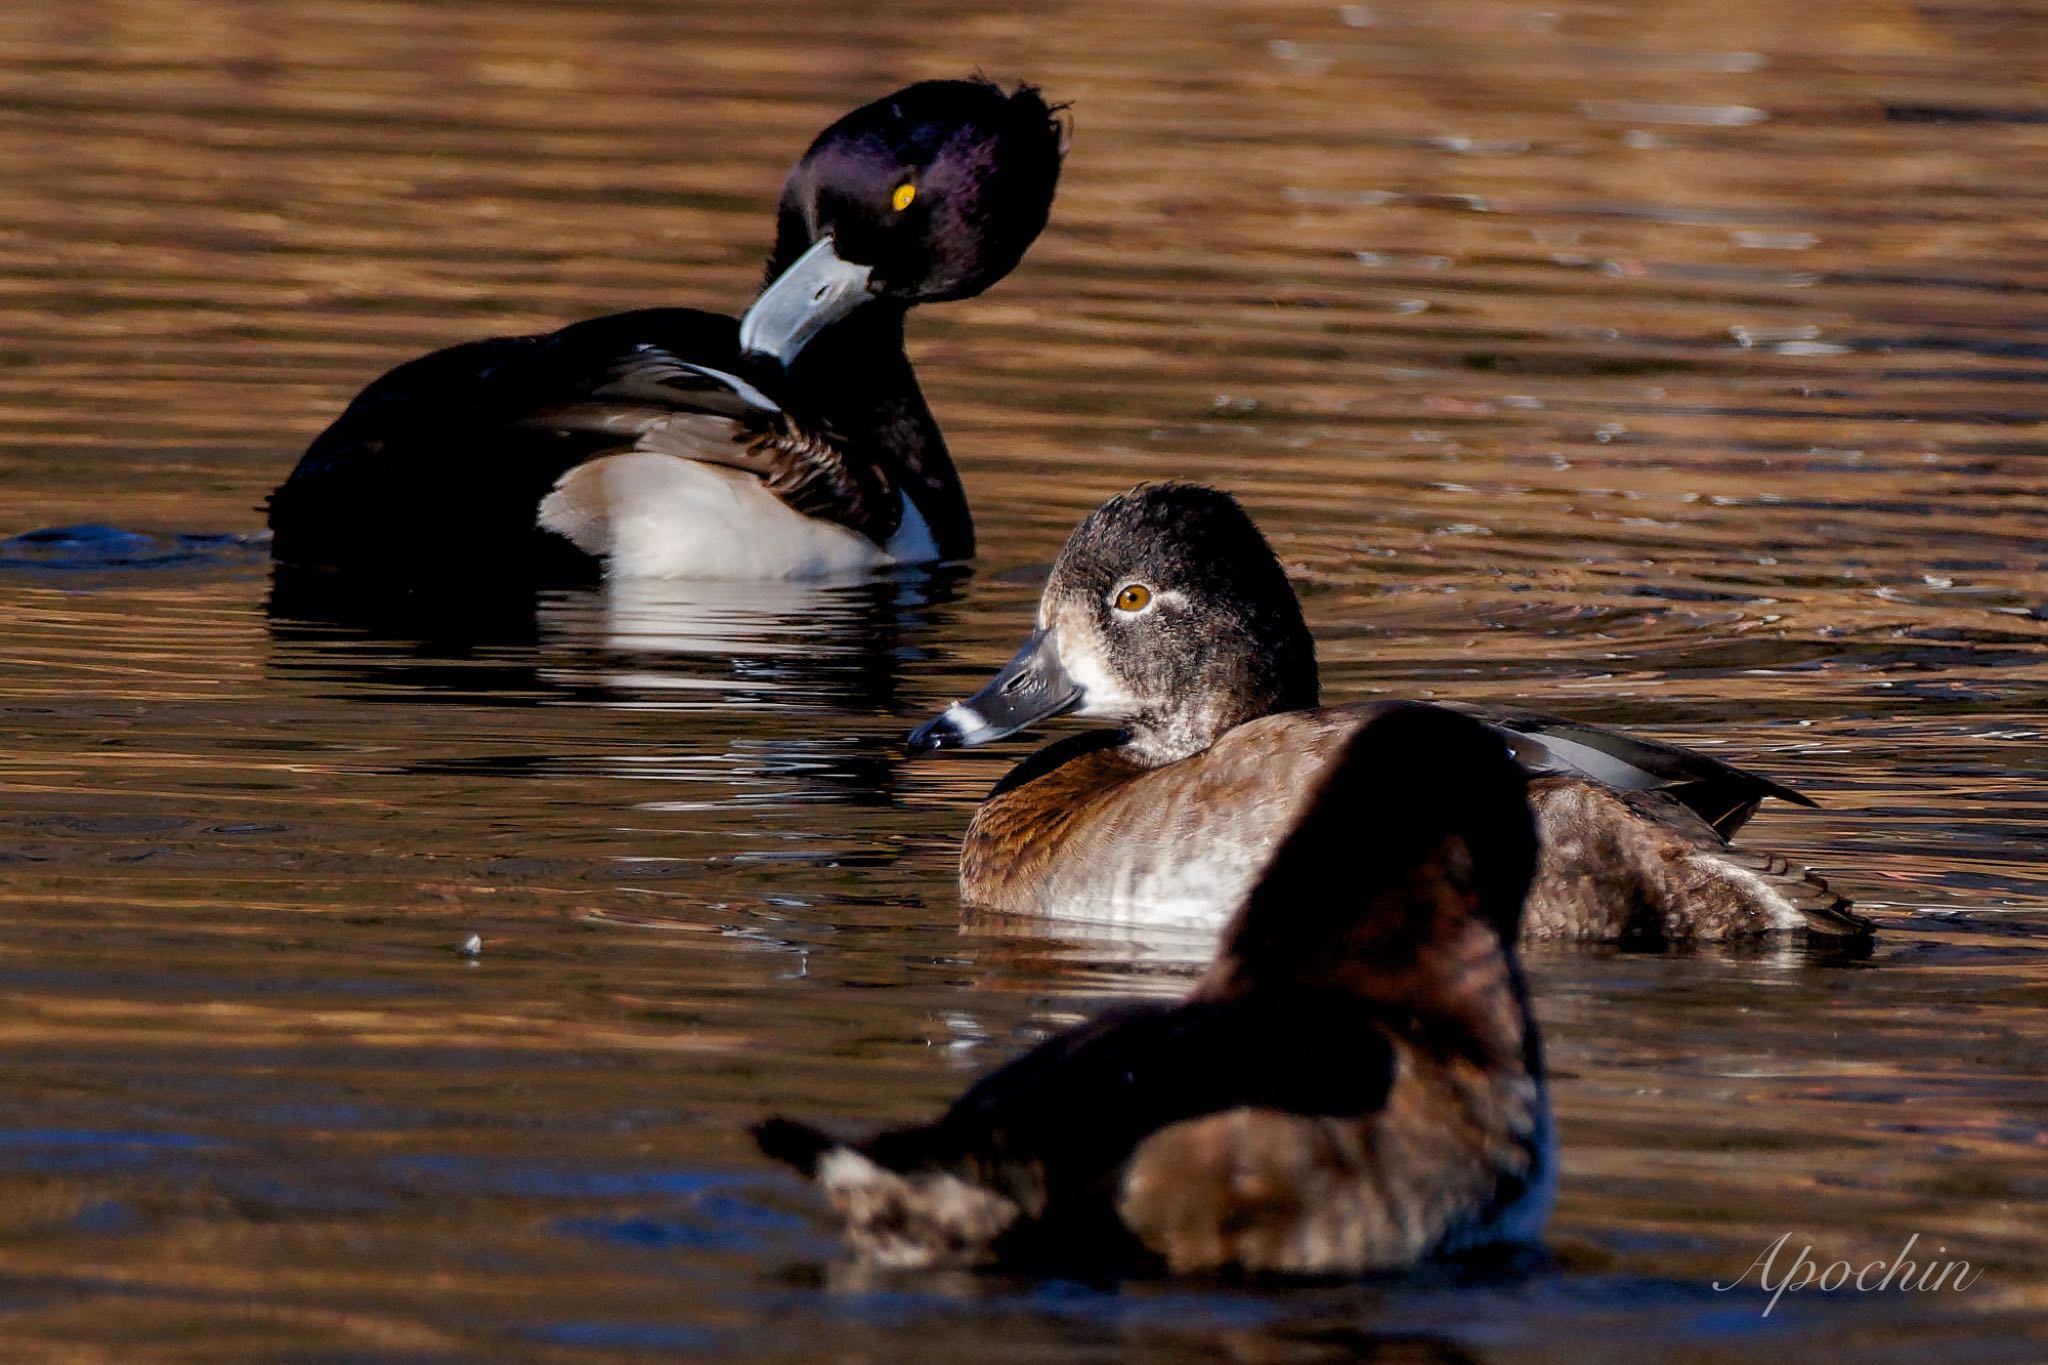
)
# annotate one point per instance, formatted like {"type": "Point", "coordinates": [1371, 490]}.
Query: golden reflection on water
{"type": "Point", "coordinates": [1670, 365]}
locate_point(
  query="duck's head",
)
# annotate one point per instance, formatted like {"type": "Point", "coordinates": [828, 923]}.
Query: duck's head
{"type": "Point", "coordinates": [1419, 828]}
{"type": "Point", "coordinates": [931, 193]}
{"type": "Point", "coordinates": [1167, 614]}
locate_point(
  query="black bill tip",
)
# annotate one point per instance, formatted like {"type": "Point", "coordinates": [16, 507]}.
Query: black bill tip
{"type": "Point", "coordinates": [1031, 687]}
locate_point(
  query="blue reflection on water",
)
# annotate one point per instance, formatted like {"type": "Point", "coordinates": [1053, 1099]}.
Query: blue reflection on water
{"type": "Point", "coordinates": [92, 547]}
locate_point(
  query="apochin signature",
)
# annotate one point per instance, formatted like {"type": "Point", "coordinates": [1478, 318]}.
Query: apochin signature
{"type": "Point", "coordinates": [1899, 1273]}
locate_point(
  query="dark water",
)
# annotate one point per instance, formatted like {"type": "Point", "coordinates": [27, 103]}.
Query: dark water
{"type": "Point", "coordinates": [1671, 365]}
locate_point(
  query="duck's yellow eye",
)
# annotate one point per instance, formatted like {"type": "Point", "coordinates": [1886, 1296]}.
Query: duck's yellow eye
{"type": "Point", "coordinates": [906, 194]}
{"type": "Point", "coordinates": [1133, 597]}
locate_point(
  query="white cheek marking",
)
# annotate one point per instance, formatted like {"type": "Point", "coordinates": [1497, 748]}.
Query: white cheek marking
{"type": "Point", "coordinates": [1079, 640]}
{"type": "Point", "coordinates": [964, 718]}
{"type": "Point", "coordinates": [1101, 695]}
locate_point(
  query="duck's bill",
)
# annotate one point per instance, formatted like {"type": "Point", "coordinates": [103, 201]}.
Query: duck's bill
{"type": "Point", "coordinates": [815, 292]}
{"type": "Point", "coordinates": [1030, 688]}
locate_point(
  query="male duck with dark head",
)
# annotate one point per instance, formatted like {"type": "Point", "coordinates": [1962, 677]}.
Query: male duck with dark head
{"type": "Point", "coordinates": [1168, 615]}
{"type": "Point", "coordinates": [1354, 1085]}
{"type": "Point", "coordinates": [673, 443]}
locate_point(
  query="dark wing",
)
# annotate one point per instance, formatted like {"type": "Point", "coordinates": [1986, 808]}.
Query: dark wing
{"type": "Point", "coordinates": [651, 399]}
{"type": "Point", "coordinates": [1066, 1115]}
{"type": "Point", "coordinates": [1048, 1135]}
{"type": "Point", "coordinates": [1722, 795]}
{"type": "Point", "coordinates": [447, 458]}
{"type": "Point", "coordinates": [984, 1115]}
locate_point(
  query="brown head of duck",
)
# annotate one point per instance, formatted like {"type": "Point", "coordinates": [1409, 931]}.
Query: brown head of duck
{"type": "Point", "coordinates": [1167, 613]}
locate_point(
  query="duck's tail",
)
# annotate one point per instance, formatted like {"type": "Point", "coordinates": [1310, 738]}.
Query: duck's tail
{"type": "Point", "coordinates": [914, 1219]}
{"type": "Point", "coordinates": [1806, 891]}
{"type": "Point", "coordinates": [1639, 866]}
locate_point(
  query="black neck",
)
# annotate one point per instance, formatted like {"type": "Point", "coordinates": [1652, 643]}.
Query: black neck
{"type": "Point", "coordinates": [857, 378]}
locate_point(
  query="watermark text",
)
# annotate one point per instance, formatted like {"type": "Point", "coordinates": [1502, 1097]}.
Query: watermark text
{"type": "Point", "coordinates": [1802, 1271]}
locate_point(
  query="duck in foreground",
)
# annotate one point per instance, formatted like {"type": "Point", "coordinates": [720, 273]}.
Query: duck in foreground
{"type": "Point", "coordinates": [674, 443]}
{"type": "Point", "coordinates": [1354, 1085]}
{"type": "Point", "coordinates": [1168, 614]}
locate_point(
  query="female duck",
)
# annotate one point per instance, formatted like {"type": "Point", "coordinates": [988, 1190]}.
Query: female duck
{"type": "Point", "coordinates": [1168, 614]}
{"type": "Point", "coordinates": [1354, 1085]}
{"type": "Point", "coordinates": [676, 443]}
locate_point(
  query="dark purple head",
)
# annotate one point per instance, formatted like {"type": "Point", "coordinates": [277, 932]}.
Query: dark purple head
{"type": "Point", "coordinates": [931, 193]}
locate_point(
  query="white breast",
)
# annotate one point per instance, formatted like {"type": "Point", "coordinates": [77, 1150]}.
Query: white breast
{"type": "Point", "coordinates": [657, 516]}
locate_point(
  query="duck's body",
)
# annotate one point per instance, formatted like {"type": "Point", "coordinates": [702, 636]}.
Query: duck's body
{"type": "Point", "coordinates": [1084, 830]}
{"type": "Point", "coordinates": [1171, 820]}
{"type": "Point", "coordinates": [599, 447]}
{"type": "Point", "coordinates": [676, 443]}
{"type": "Point", "coordinates": [1090, 833]}
{"type": "Point", "coordinates": [1355, 1084]}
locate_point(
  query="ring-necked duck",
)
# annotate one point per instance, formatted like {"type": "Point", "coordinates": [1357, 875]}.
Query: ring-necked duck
{"type": "Point", "coordinates": [1168, 614]}
{"type": "Point", "coordinates": [682, 444]}
{"type": "Point", "coordinates": [1355, 1084]}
